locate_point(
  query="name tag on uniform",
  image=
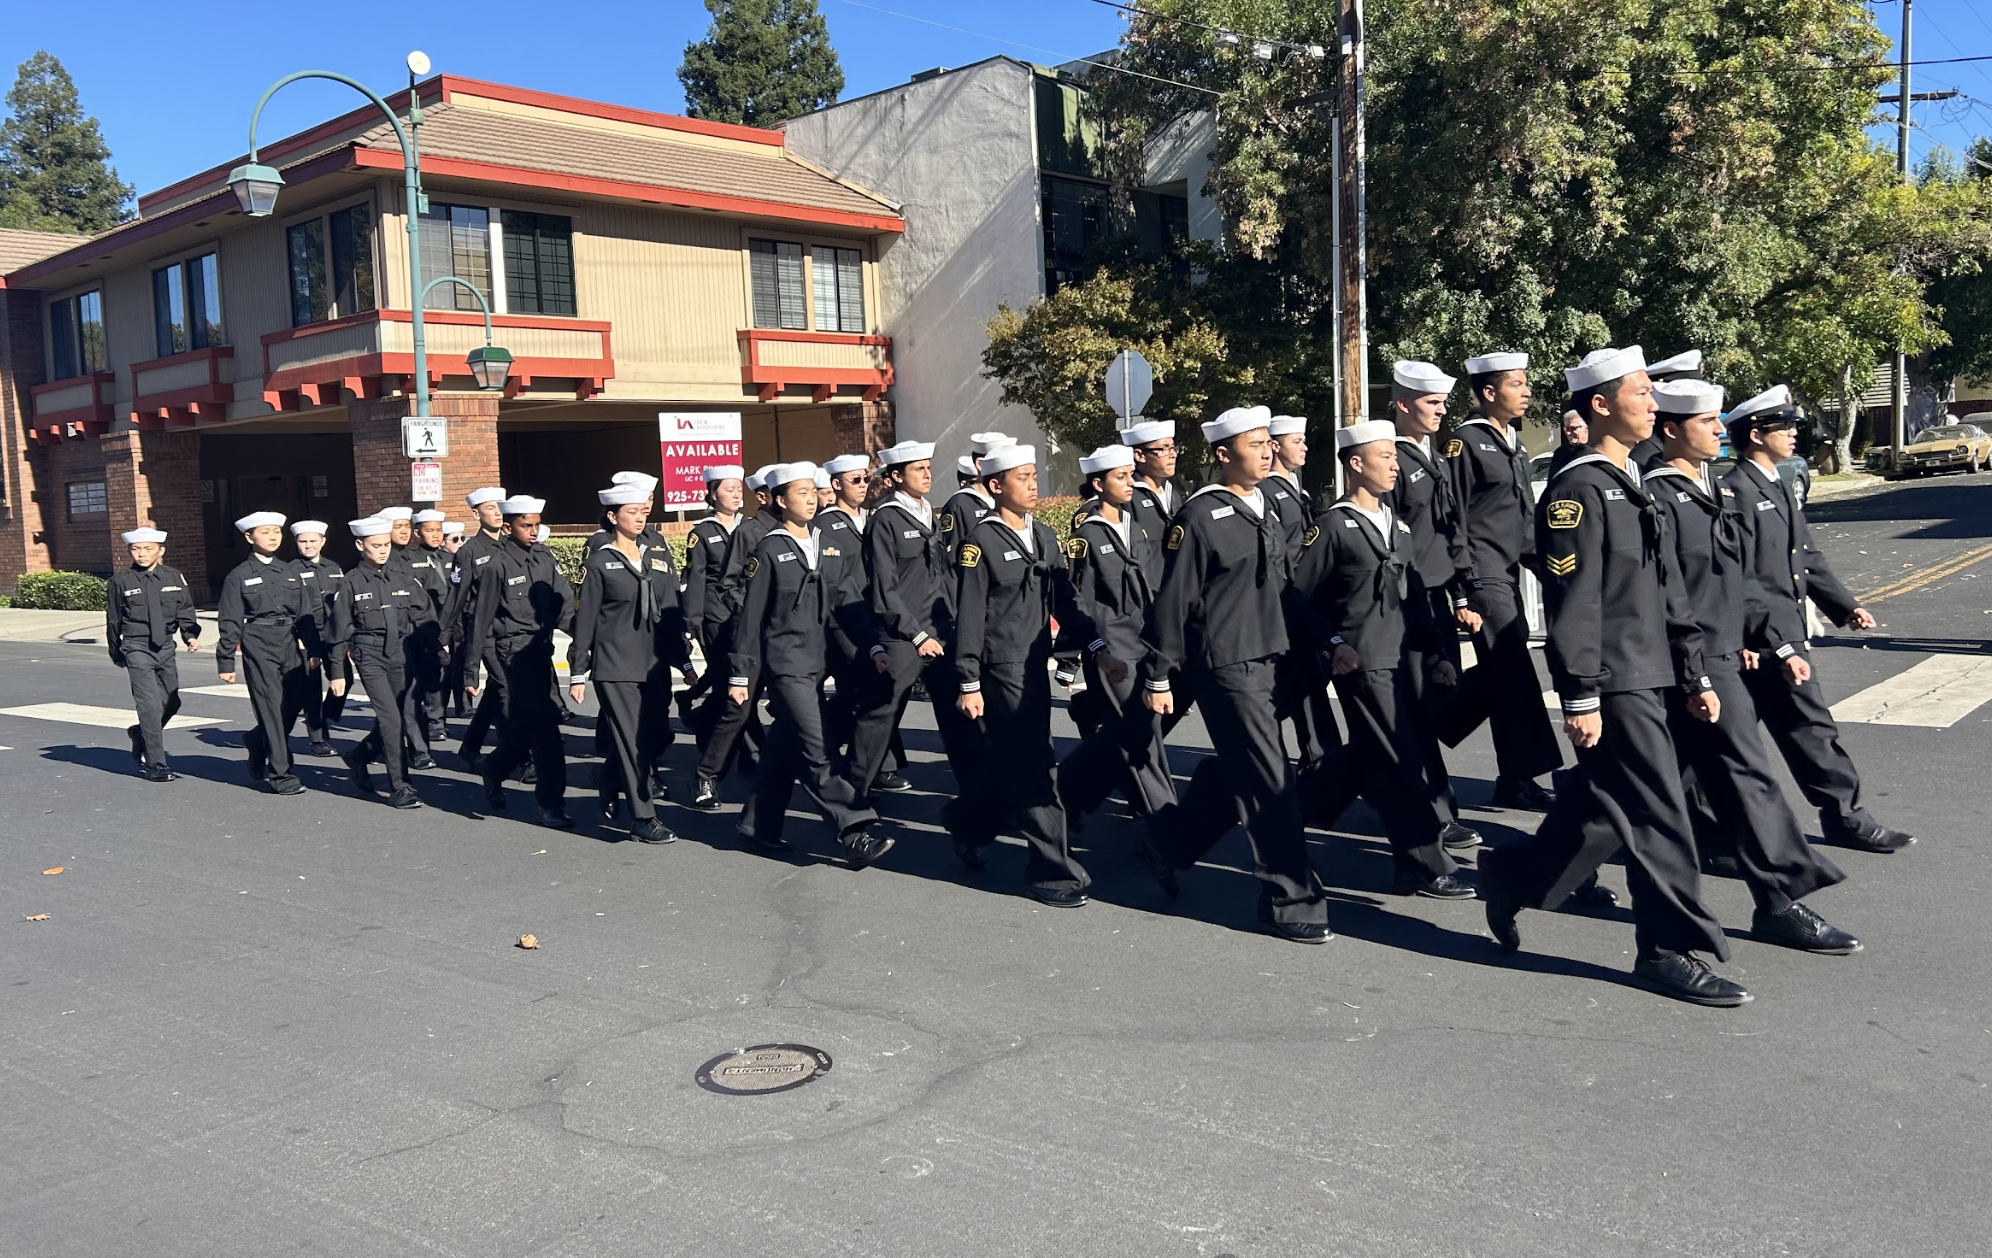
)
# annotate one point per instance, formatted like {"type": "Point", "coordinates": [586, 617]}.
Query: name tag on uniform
{"type": "Point", "coordinates": [135, 593]}
{"type": "Point", "coordinates": [1349, 524]}
{"type": "Point", "coordinates": [1615, 495]}
{"type": "Point", "coordinates": [1221, 512]}
{"type": "Point", "coordinates": [1417, 475]}
{"type": "Point", "coordinates": [1681, 495]}
{"type": "Point", "coordinates": [785, 557]}
{"type": "Point", "coordinates": [399, 593]}
{"type": "Point", "coordinates": [1728, 493]}
{"type": "Point", "coordinates": [1281, 493]}
{"type": "Point", "coordinates": [911, 533]}
{"type": "Point", "coordinates": [657, 565]}
{"type": "Point", "coordinates": [618, 567]}
{"type": "Point", "coordinates": [259, 580]}
{"type": "Point", "coordinates": [1484, 446]}
{"type": "Point", "coordinates": [1011, 554]}
{"type": "Point", "coordinates": [305, 576]}
{"type": "Point", "coordinates": [358, 597]}
{"type": "Point", "coordinates": [1766, 506]}
{"type": "Point", "coordinates": [515, 580]}
{"type": "Point", "coordinates": [420, 563]}
{"type": "Point", "coordinates": [481, 560]}
{"type": "Point", "coordinates": [715, 541]}
{"type": "Point", "coordinates": [1106, 550]}
{"type": "Point", "coordinates": [1402, 527]}
{"type": "Point", "coordinates": [168, 589]}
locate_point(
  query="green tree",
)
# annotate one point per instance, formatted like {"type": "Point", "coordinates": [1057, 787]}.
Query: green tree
{"type": "Point", "coordinates": [761, 62]}
{"type": "Point", "coordinates": [55, 171]}
{"type": "Point", "coordinates": [1964, 296]}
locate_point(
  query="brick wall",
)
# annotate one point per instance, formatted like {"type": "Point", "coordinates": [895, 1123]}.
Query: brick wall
{"type": "Point", "coordinates": [380, 469]}
{"type": "Point", "coordinates": [73, 545]}
{"type": "Point", "coordinates": [155, 478]}
{"type": "Point", "coordinates": [863, 427]}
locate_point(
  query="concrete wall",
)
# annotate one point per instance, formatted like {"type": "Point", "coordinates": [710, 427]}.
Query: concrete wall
{"type": "Point", "coordinates": [1182, 152]}
{"type": "Point", "coordinates": [957, 153]}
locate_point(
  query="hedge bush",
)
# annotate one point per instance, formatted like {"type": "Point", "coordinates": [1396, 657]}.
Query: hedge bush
{"type": "Point", "coordinates": [572, 552]}
{"type": "Point", "coordinates": [61, 592]}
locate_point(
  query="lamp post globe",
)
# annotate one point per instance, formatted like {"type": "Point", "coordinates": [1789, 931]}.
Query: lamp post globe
{"type": "Point", "coordinates": [255, 187]}
{"type": "Point", "coordinates": [490, 366]}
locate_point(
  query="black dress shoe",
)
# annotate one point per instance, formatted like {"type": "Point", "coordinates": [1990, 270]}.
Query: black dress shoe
{"type": "Point", "coordinates": [137, 744]}
{"type": "Point", "coordinates": [423, 761]}
{"type": "Point", "coordinates": [1158, 865]}
{"type": "Point", "coordinates": [865, 847]}
{"type": "Point", "coordinates": [1298, 932]}
{"type": "Point", "coordinates": [653, 831]}
{"type": "Point", "coordinates": [1443, 887]}
{"type": "Point", "coordinates": [404, 797]}
{"type": "Point", "coordinates": [258, 770]}
{"type": "Point", "coordinates": [494, 796]}
{"type": "Point", "coordinates": [1801, 928]}
{"type": "Point", "coordinates": [321, 748]}
{"type": "Point", "coordinates": [1523, 795]}
{"type": "Point", "coordinates": [357, 768]}
{"type": "Point", "coordinates": [660, 790]}
{"type": "Point", "coordinates": [555, 819]}
{"type": "Point", "coordinates": [438, 734]}
{"type": "Point", "coordinates": [286, 786]}
{"type": "Point", "coordinates": [1459, 838]}
{"type": "Point", "coordinates": [894, 782]}
{"type": "Point", "coordinates": [1593, 897]}
{"type": "Point", "coordinates": [1685, 976]}
{"type": "Point", "coordinates": [760, 843]}
{"type": "Point", "coordinates": [610, 803]}
{"type": "Point", "coordinates": [1877, 838]}
{"type": "Point", "coordinates": [968, 854]}
{"type": "Point", "coordinates": [1721, 865]}
{"type": "Point", "coordinates": [529, 776]}
{"type": "Point", "coordinates": [705, 795]}
{"type": "Point", "coordinates": [160, 773]}
{"type": "Point", "coordinates": [472, 761]}
{"type": "Point", "coordinates": [1058, 897]}
{"type": "Point", "coordinates": [1501, 906]}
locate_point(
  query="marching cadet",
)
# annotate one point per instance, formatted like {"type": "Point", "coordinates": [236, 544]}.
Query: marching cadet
{"type": "Point", "coordinates": [1423, 502]}
{"type": "Point", "coordinates": [1156, 499]}
{"type": "Point", "coordinates": [841, 522]}
{"type": "Point", "coordinates": [1293, 503]}
{"type": "Point", "coordinates": [453, 536]}
{"type": "Point", "coordinates": [476, 552]}
{"type": "Point", "coordinates": [1111, 588]}
{"type": "Point", "coordinates": [321, 579]}
{"type": "Point", "coordinates": [1217, 616]}
{"type": "Point", "coordinates": [1683, 366]}
{"type": "Point", "coordinates": [1012, 584]}
{"type": "Point", "coordinates": [1325, 788]}
{"type": "Point", "coordinates": [430, 564]}
{"type": "Point", "coordinates": [791, 604]}
{"type": "Point", "coordinates": [1489, 468]}
{"type": "Point", "coordinates": [719, 723]}
{"type": "Point", "coordinates": [382, 619]}
{"type": "Point", "coordinates": [825, 495]}
{"type": "Point", "coordinates": [970, 501]}
{"type": "Point", "coordinates": [705, 556]}
{"type": "Point", "coordinates": [263, 612]}
{"type": "Point", "coordinates": [913, 607]}
{"type": "Point", "coordinates": [1620, 638]}
{"type": "Point", "coordinates": [1729, 763]}
{"type": "Point", "coordinates": [148, 604]}
{"type": "Point", "coordinates": [629, 633]}
{"type": "Point", "coordinates": [644, 486]}
{"type": "Point", "coordinates": [519, 598]}
{"type": "Point", "coordinates": [403, 520]}
{"type": "Point", "coordinates": [1362, 606]}
{"type": "Point", "coordinates": [1786, 569]}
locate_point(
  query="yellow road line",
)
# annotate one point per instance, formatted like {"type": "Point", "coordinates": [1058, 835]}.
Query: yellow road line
{"type": "Point", "coordinates": [1928, 576]}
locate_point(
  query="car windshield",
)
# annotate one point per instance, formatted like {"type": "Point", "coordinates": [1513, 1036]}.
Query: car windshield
{"type": "Point", "coordinates": [1946, 434]}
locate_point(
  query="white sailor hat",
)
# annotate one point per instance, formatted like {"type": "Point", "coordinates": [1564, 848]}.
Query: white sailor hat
{"type": "Point", "coordinates": [136, 536]}
{"type": "Point", "coordinates": [1420, 378]}
{"type": "Point", "coordinates": [645, 479]}
{"type": "Point", "coordinates": [522, 504]}
{"type": "Point", "coordinates": [452, 528]}
{"type": "Point", "coordinates": [822, 478]}
{"type": "Point", "coordinates": [1769, 407]}
{"type": "Point", "coordinates": [981, 443]}
{"type": "Point", "coordinates": [622, 495]}
{"type": "Point", "coordinates": [780, 474]}
{"type": "Point", "coordinates": [759, 480]}
{"type": "Point", "coordinates": [478, 497]}
{"type": "Point", "coordinates": [1106, 459]}
{"type": "Point", "coordinates": [543, 534]}
{"type": "Point", "coordinates": [372, 526]}
{"type": "Point", "coordinates": [906, 452]}
{"type": "Point", "coordinates": [1238, 419]}
{"type": "Point", "coordinates": [301, 527]}
{"type": "Point", "coordinates": [847, 463]}
{"type": "Point", "coordinates": [396, 513]}
{"type": "Point", "coordinates": [430, 516]}
{"type": "Point", "coordinates": [1003, 458]}
{"type": "Point", "coordinates": [965, 465]}
{"type": "Point", "coordinates": [1687, 397]}
{"type": "Point", "coordinates": [257, 519]}
{"type": "Point", "coordinates": [1605, 364]}
{"type": "Point", "coordinates": [725, 471]}
{"type": "Point", "coordinates": [1505, 360]}
{"type": "Point", "coordinates": [1364, 433]}
{"type": "Point", "coordinates": [1287, 425]}
{"type": "Point", "coordinates": [1688, 362]}
{"type": "Point", "coordinates": [1149, 431]}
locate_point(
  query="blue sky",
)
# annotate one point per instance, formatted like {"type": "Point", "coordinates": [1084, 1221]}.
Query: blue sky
{"type": "Point", "coordinates": [173, 86]}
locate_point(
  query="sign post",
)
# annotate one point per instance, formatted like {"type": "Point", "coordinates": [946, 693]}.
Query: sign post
{"type": "Point", "coordinates": [690, 442]}
{"type": "Point", "coordinates": [425, 437]}
{"type": "Point", "coordinates": [1130, 381]}
{"type": "Point", "coordinates": [425, 481]}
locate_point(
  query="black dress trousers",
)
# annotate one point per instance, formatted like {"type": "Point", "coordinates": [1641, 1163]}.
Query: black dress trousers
{"type": "Point", "coordinates": [1126, 750]}
{"type": "Point", "coordinates": [155, 695]}
{"type": "Point", "coordinates": [632, 736]}
{"type": "Point", "coordinates": [1435, 704]}
{"type": "Point", "coordinates": [1013, 785]}
{"type": "Point", "coordinates": [796, 751]}
{"type": "Point", "coordinates": [883, 704]}
{"type": "Point", "coordinates": [1801, 724]}
{"type": "Point", "coordinates": [1386, 760]}
{"type": "Point", "coordinates": [529, 724]}
{"type": "Point", "coordinates": [723, 722]}
{"type": "Point", "coordinates": [273, 667]}
{"type": "Point", "coordinates": [1503, 689]}
{"type": "Point", "coordinates": [384, 671]}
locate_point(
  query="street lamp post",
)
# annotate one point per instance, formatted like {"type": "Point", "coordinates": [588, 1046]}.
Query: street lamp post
{"type": "Point", "coordinates": [489, 366]}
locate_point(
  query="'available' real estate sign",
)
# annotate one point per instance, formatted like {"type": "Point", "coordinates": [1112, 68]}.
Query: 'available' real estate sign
{"type": "Point", "coordinates": [693, 441]}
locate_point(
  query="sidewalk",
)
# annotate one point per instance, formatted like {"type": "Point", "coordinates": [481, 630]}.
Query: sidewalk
{"type": "Point", "coordinates": [75, 628]}
{"type": "Point", "coordinates": [1846, 482]}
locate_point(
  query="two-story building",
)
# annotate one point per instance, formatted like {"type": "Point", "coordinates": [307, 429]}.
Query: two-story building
{"type": "Point", "coordinates": [195, 364]}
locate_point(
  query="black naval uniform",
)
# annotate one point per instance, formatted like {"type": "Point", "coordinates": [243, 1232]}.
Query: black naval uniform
{"type": "Point", "coordinates": [629, 635]}
{"type": "Point", "coordinates": [1217, 618]}
{"type": "Point", "coordinates": [432, 568]}
{"type": "Point", "coordinates": [1785, 570]}
{"type": "Point", "coordinates": [721, 721]}
{"type": "Point", "coordinates": [473, 557]}
{"type": "Point", "coordinates": [912, 600]}
{"type": "Point", "coordinates": [965, 508]}
{"type": "Point", "coordinates": [1620, 639]}
{"type": "Point", "coordinates": [1490, 483]}
{"type": "Point", "coordinates": [1355, 583]}
{"type": "Point", "coordinates": [1153, 512]}
{"type": "Point", "coordinates": [850, 668]}
{"type": "Point", "coordinates": [263, 612]}
{"type": "Point", "coordinates": [322, 580]}
{"type": "Point", "coordinates": [705, 556]}
{"type": "Point", "coordinates": [385, 621]}
{"type": "Point", "coordinates": [1424, 502]}
{"type": "Point", "coordinates": [1300, 689]}
{"type": "Point", "coordinates": [145, 609]}
{"type": "Point", "coordinates": [795, 592]}
{"type": "Point", "coordinates": [1728, 759]}
{"type": "Point", "coordinates": [1127, 748]}
{"type": "Point", "coordinates": [518, 599]}
{"type": "Point", "coordinates": [1011, 585]}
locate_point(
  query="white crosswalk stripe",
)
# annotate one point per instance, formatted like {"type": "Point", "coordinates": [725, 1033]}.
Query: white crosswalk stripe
{"type": "Point", "coordinates": [107, 718]}
{"type": "Point", "coordinates": [1935, 694]}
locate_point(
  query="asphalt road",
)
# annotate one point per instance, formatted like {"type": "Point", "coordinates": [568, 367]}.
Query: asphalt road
{"type": "Point", "coordinates": [259, 1026]}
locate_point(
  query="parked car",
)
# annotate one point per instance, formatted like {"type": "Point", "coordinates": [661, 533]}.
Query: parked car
{"type": "Point", "coordinates": [1948, 448]}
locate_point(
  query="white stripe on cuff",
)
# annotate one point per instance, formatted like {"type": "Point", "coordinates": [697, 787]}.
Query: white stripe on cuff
{"type": "Point", "coordinates": [1578, 707]}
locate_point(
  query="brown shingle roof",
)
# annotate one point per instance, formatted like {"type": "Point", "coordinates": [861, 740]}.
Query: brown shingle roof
{"type": "Point", "coordinates": [18, 246]}
{"type": "Point", "coordinates": [451, 131]}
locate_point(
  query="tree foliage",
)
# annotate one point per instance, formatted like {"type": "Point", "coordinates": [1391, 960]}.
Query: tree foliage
{"type": "Point", "coordinates": [761, 62]}
{"type": "Point", "coordinates": [55, 171]}
{"type": "Point", "coordinates": [1963, 297]}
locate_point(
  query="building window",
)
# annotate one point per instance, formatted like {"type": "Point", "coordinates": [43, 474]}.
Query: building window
{"type": "Point", "coordinates": [186, 306]}
{"type": "Point", "coordinates": [539, 263]}
{"type": "Point", "coordinates": [775, 267]}
{"type": "Point", "coordinates": [456, 240]}
{"type": "Point", "coordinates": [87, 500]}
{"type": "Point", "coordinates": [335, 279]}
{"type": "Point", "coordinates": [311, 296]}
{"type": "Point", "coordinates": [353, 259]}
{"type": "Point", "coordinates": [76, 335]}
{"type": "Point", "coordinates": [1076, 217]}
{"type": "Point", "coordinates": [840, 289]}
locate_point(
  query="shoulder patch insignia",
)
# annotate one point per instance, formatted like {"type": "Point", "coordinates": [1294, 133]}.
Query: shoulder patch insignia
{"type": "Point", "coordinates": [1455, 448]}
{"type": "Point", "coordinates": [1564, 514]}
{"type": "Point", "coordinates": [971, 554]}
{"type": "Point", "coordinates": [1078, 517]}
{"type": "Point", "coordinates": [1076, 548]}
{"type": "Point", "coordinates": [753, 564]}
{"type": "Point", "coordinates": [1307, 538]}
{"type": "Point", "coordinates": [947, 523]}
{"type": "Point", "coordinates": [1560, 565]}
{"type": "Point", "coordinates": [1176, 538]}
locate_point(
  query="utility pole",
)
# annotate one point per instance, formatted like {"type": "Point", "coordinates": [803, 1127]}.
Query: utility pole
{"type": "Point", "coordinates": [1899, 402]}
{"type": "Point", "coordinates": [1353, 324]}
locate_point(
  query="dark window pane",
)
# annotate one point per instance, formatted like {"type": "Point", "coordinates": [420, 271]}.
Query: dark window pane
{"type": "Point", "coordinates": [169, 311]}
{"type": "Point", "coordinates": [62, 337]}
{"type": "Point", "coordinates": [309, 294]}
{"type": "Point", "coordinates": [556, 265]}
{"type": "Point", "coordinates": [204, 302]}
{"type": "Point", "coordinates": [90, 332]}
{"type": "Point", "coordinates": [767, 290]}
{"type": "Point", "coordinates": [788, 255]}
{"type": "Point", "coordinates": [456, 240]}
{"type": "Point", "coordinates": [353, 259]}
{"type": "Point", "coordinates": [539, 263]}
{"type": "Point", "coordinates": [850, 291]}
{"type": "Point", "coordinates": [87, 499]}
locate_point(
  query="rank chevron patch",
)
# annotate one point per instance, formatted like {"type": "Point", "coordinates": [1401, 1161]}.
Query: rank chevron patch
{"type": "Point", "coordinates": [1561, 566]}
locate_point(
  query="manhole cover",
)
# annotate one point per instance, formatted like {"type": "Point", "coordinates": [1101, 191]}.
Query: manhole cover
{"type": "Point", "coordinates": [762, 1069]}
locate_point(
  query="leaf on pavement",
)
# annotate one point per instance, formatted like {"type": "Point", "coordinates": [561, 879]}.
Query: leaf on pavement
{"type": "Point", "coordinates": [529, 941]}
{"type": "Point", "coordinates": [48, 873]}
{"type": "Point", "coordinates": [38, 917]}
